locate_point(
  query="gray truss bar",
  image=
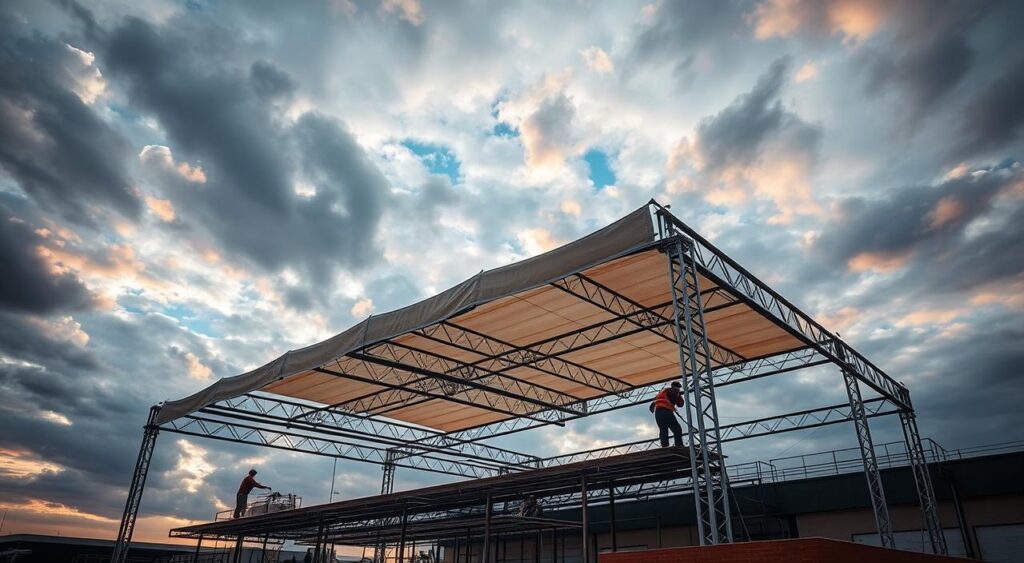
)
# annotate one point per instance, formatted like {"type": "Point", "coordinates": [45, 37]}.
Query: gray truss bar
{"type": "Point", "coordinates": [232, 431]}
{"type": "Point", "coordinates": [923, 482]}
{"type": "Point", "coordinates": [135, 489]}
{"type": "Point", "coordinates": [867, 454]}
{"type": "Point", "coordinates": [707, 462]}
{"type": "Point", "coordinates": [727, 273]}
{"type": "Point", "coordinates": [801, 420]}
{"type": "Point", "coordinates": [452, 378]}
{"type": "Point", "coordinates": [605, 298]}
{"type": "Point", "coordinates": [289, 414]}
{"type": "Point", "coordinates": [726, 375]}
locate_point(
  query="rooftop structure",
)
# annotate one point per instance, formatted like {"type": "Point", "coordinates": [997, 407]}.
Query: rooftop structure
{"type": "Point", "coordinates": [599, 324]}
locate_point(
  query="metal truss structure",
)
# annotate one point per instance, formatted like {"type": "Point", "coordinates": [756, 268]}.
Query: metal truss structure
{"type": "Point", "coordinates": [361, 429]}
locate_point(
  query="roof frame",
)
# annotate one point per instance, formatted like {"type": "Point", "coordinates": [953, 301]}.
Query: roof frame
{"type": "Point", "coordinates": [406, 375]}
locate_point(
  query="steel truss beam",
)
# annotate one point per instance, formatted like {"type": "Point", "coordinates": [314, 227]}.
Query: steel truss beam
{"type": "Point", "coordinates": [286, 414]}
{"type": "Point", "coordinates": [610, 301]}
{"type": "Point", "coordinates": [545, 355]}
{"type": "Point", "coordinates": [867, 454]}
{"type": "Point", "coordinates": [707, 462]}
{"type": "Point", "coordinates": [800, 420]}
{"type": "Point", "coordinates": [725, 272]}
{"type": "Point", "coordinates": [135, 489]}
{"type": "Point", "coordinates": [453, 377]}
{"type": "Point", "coordinates": [231, 431]}
{"type": "Point", "coordinates": [923, 482]}
{"type": "Point", "coordinates": [725, 375]}
{"type": "Point", "coordinates": [500, 356]}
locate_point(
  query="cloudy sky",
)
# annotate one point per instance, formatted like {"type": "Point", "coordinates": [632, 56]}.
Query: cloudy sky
{"type": "Point", "coordinates": [188, 189]}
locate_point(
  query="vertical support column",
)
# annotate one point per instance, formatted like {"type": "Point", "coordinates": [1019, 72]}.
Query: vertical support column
{"type": "Point", "coordinates": [867, 454]}
{"type": "Point", "coordinates": [135, 489]}
{"type": "Point", "coordinates": [199, 545]}
{"type": "Point", "coordinates": [707, 464]}
{"type": "Point", "coordinates": [486, 556]}
{"type": "Point", "coordinates": [585, 539]}
{"type": "Point", "coordinates": [611, 515]}
{"type": "Point", "coordinates": [387, 486]}
{"type": "Point", "coordinates": [236, 555]}
{"type": "Point", "coordinates": [923, 481]}
{"type": "Point", "coordinates": [401, 533]}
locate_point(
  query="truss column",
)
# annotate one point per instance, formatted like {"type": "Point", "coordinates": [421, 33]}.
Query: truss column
{"type": "Point", "coordinates": [131, 505]}
{"type": "Point", "coordinates": [710, 482]}
{"type": "Point", "coordinates": [923, 481]}
{"type": "Point", "coordinates": [867, 454]}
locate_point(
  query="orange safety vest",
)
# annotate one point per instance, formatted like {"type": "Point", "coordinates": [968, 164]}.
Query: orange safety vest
{"type": "Point", "coordinates": [663, 402]}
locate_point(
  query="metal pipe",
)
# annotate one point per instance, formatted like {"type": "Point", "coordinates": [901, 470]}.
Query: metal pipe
{"type": "Point", "coordinates": [584, 544]}
{"type": "Point", "coordinates": [401, 533]}
{"type": "Point", "coordinates": [486, 555]}
{"type": "Point", "coordinates": [961, 518]}
{"type": "Point", "coordinates": [611, 513]}
{"type": "Point", "coordinates": [199, 544]}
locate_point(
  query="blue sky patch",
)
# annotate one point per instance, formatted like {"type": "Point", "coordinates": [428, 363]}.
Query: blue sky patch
{"type": "Point", "coordinates": [188, 318]}
{"type": "Point", "coordinates": [438, 159]}
{"type": "Point", "coordinates": [600, 172]}
{"type": "Point", "coordinates": [503, 129]}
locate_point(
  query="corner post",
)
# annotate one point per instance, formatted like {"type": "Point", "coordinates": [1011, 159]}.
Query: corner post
{"type": "Point", "coordinates": [135, 489]}
{"type": "Point", "coordinates": [867, 454]}
{"type": "Point", "coordinates": [707, 464]}
{"type": "Point", "coordinates": [923, 481]}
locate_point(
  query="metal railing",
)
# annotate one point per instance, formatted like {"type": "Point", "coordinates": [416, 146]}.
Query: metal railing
{"type": "Point", "coordinates": [847, 460]}
{"type": "Point", "coordinates": [264, 503]}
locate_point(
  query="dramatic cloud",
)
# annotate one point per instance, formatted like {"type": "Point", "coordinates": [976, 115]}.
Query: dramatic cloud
{"type": "Point", "coordinates": [754, 144]}
{"type": "Point", "coordinates": [995, 116]}
{"type": "Point", "coordinates": [248, 198]}
{"type": "Point", "coordinates": [53, 143]}
{"type": "Point", "coordinates": [29, 283]}
{"type": "Point", "coordinates": [187, 190]}
{"type": "Point", "coordinates": [955, 236]}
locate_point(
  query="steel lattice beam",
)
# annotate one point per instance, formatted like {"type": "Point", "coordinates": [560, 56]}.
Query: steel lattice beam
{"type": "Point", "coordinates": [610, 301]}
{"type": "Point", "coordinates": [708, 476]}
{"type": "Point", "coordinates": [453, 377]}
{"type": "Point", "coordinates": [801, 420]}
{"type": "Point", "coordinates": [867, 453]}
{"type": "Point", "coordinates": [231, 431]}
{"type": "Point", "coordinates": [726, 375]}
{"type": "Point", "coordinates": [135, 489]}
{"type": "Point", "coordinates": [923, 482]}
{"type": "Point", "coordinates": [726, 272]}
{"type": "Point", "coordinates": [280, 413]}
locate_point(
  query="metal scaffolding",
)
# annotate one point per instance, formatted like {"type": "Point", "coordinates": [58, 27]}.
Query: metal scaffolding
{"type": "Point", "coordinates": [402, 375]}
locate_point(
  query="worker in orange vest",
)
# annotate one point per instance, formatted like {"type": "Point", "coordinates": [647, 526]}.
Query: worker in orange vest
{"type": "Point", "coordinates": [664, 409]}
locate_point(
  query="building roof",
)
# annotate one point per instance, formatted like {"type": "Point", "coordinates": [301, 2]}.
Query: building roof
{"type": "Point", "coordinates": [95, 542]}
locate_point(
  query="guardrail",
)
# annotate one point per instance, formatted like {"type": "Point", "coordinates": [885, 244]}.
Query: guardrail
{"type": "Point", "coordinates": [848, 460]}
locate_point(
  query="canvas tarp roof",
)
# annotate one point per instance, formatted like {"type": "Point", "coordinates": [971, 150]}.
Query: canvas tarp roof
{"type": "Point", "coordinates": [626, 235]}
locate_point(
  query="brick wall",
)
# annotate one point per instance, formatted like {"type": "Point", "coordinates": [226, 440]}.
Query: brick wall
{"type": "Point", "coordinates": [803, 550]}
